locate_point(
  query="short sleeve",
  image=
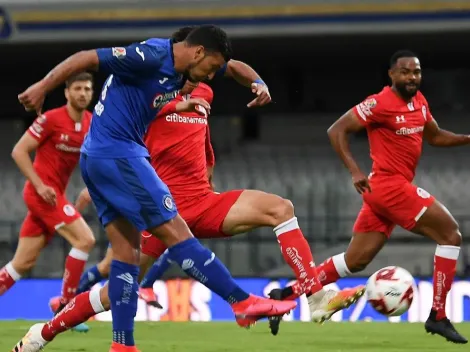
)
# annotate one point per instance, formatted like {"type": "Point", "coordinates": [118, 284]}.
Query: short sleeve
{"type": "Point", "coordinates": [368, 111]}
{"type": "Point", "coordinates": [41, 128]}
{"type": "Point", "coordinates": [133, 61]}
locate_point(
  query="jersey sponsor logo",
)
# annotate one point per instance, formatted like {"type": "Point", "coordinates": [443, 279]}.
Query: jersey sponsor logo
{"type": "Point", "coordinates": [66, 148]}
{"type": "Point", "coordinates": [140, 53]}
{"type": "Point", "coordinates": [163, 80]}
{"type": "Point", "coordinates": [119, 52]}
{"type": "Point", "coordinates": [161, 99]}
{"type": "Point", "coordinates": [364, 108]}
{"type": "Point", "coordinates": [183, 119]}
{"type": "Point", "coordinates": [69, 210]}
{"type": "Point", "coordinates": [407, 131]}
{"type": "Point", "coordinates": [400, 119]}
{"type": "Point", "coordinates": [168, 202]}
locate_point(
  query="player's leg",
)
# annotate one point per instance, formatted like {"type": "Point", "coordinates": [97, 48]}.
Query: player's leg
{"type": "Point", "coordinates": [110, 193]}
{"type": "Point", "coordinates": [77, 311]}
{"type": "Point", "coordinates": [438, 224]}
{"type": "Point", "coordinates": [32, 241]}
{"type": "Point", "coordinates": [79, 235]}
{"type": "Point", "coordinates": [150, 269]}
{"type": "Point", "coordinates": [96, 273]}
{"type": "Point", "coordinates": [254, 209]}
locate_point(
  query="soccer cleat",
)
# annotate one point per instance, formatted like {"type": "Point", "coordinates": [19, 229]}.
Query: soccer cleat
{"type": "Point", "coordinates": [117, 347]}
{"type": "Point", "coordinates": [322, 308]}
{"type": "Point", "coordinates": [248, 312]}
{"type": "Point", "coordinates": [148, 295]}
{"type": "Point", "coordinates": [32, 341]}
{"type": "Point", "coordinates": [275, 320]}
{"type": "Point", "coordinates": [443, 328]}
{"type": "Point", "coordinates": [81, 328]}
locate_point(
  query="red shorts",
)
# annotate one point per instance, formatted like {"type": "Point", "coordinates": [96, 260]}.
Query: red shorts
{"type": "Point", "coordinates": [393, 201]}
{"type": "Point", "coordinates": [45, 219]}
{"type": "Point", "coordinates": [204, 215]}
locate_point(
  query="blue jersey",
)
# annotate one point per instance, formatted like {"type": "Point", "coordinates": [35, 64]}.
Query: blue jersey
{"type": "Point", "coordinates": [142, 80]}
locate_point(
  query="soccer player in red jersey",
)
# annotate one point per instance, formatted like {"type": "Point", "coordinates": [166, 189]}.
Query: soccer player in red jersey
{"type": "Point", "coordinates": [56, 137]}
{"type": "Point", "coordinates": [397, 120]}
{"type": "Point", "coordinates": [181, 153]}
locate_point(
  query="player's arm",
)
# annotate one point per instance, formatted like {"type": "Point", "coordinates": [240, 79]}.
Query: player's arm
{"type": "Point", "coordinates": [339, 137]}
{"type": "Point", "coordinates": [438, 137]}
{"type": "Point", "coordinates": [246, 76]}
{"type": "Point", "coordinates": [21, 154]}
{"type": "Point", "coordinates": [83, 200]}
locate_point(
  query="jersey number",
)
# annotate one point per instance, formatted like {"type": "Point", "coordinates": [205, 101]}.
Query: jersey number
{"type": "Point", "coordinates": [99, 107]}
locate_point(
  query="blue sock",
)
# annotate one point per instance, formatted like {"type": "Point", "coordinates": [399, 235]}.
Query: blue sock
{"type": "Point", "coordinates": [123, 289]}
{"type": "Point", "coordinates": [156, 270]}
{"type": "Point", "coordinates": [89, 278]}
{"type": "Point", "coordinates": [202, 265]}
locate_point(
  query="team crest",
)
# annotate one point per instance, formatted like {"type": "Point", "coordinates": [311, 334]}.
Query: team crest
{"type": "Point", "coordinates": [120, 53]}
{"type": "Point", "coordinates": [370, 103]}
{"type": "Point", "coordinates": [168, 202]}
{"type": "Point", "coordinates": [424, 111]}
{"type": "Point", "coordinates": [69, 210]}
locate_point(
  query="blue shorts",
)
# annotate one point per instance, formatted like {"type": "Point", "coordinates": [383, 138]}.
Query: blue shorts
{"type": "Point", "coordinates": [128, 188]}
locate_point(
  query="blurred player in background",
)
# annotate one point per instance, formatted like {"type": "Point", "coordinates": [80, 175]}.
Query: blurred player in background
{"type": "Point", "coordinates": [127, 192]}
{"type": "Point", "coordinates": [56, 136]}
{"type": "Point", "coordinates": [397, 119]}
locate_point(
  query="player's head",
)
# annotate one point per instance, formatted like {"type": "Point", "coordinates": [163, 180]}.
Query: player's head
{"type": "Point", "coordinates": [208, 49]}
{"type": "Point", "coordinates": [79, 90]}
{"type": "Point", "coordinates": [181, 34]}
{"type": "Point", "coordinates": [405, 73]}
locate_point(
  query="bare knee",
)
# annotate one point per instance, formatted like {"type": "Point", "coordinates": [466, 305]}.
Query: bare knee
{"type": "Point", "coordinates": [453, 238]}
{"type": "Point", "coordinates": [85, 243]}
{"type": "Point", "coordinates": [24, 263]}
{"type": "Point", "coordinates": [357, 263]}
{"type": "Point", "coordinates": [280, 211]}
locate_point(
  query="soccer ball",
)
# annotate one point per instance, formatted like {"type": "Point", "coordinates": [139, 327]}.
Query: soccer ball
{"type": "Point", "coordinates": [390, 290]}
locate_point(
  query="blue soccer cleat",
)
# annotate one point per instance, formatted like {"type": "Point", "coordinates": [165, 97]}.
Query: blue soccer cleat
{"type": "Point", "coordinates": [81, 328]}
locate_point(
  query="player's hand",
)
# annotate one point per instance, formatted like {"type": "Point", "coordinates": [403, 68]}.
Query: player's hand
{"type": "Point", "coordinates": [262, 95]}
{"type": "Point", "coordinates": [33, 98]}
{"type": "Point", "coordinates": [197, 105]}
{"type": "Point", "coordinates": [361, 182]}
{"type": "Point", "coordinates": [47, 193]}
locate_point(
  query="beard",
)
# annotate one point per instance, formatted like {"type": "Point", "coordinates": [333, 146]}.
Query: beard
{"type": "Point", "coordinates": [406, 91]}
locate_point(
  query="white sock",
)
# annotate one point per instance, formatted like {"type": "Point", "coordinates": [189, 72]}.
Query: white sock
{"type": "Point", "coordinates": [339, 262]}
{"type": "Point", "coordinates": [78, 254]}
{"type": "Point", "coordinates": [12, 272]}
{"type": "Point", "coordinates": [95, 301]}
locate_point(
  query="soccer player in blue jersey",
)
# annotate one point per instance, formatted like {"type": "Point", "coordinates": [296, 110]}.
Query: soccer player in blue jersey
{"type": "Point", "coordinates": [127, 193]}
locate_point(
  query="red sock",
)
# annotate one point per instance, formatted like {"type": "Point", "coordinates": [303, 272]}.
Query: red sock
{"type": "Point", "coordinates": [332, 269]}
{"type": "Point", "coordinates": [445, 262]}
{"type": "Point", "coordinates": [8, 277]}
{"type": "Point", "coordinates": [298, 255]}
{"type": "Point", "coordinates": [74, 265]}
{"type": "Point", "coordinates": [77, 311]}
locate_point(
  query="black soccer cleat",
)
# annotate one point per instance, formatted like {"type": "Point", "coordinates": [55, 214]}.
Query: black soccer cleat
{"type": "Point", "coordinates": [443, 328]}
{"type": "Point", "coordinates": [275, 321]}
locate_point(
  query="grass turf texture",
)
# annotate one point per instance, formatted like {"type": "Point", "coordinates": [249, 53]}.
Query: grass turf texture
{"type": "Point", "coordinates": [227, 337]}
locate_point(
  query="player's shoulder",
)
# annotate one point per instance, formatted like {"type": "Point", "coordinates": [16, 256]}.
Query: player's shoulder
{"type": "Point", "coordinates": [379, 100]}
{"type": "Point", "coordinates": [203, 90]}
{"type": "Point", "coordinates": [160, 45]}
{"type": "Point", "coordinates": [55, 114]}
{"type": "Point", "coordinates": [421, 98]}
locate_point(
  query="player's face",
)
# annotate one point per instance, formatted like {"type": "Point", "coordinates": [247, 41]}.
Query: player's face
{"type": "Point", "coordinates": [406, 76]}
{"type": "Point", "coordinates": [204, 65]}
{"type": "Point", "coordinates": [79, 94]}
